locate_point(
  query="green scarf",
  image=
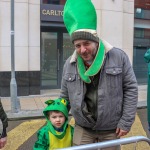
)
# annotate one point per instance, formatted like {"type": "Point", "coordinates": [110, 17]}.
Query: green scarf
{"type": "Point", "coordinates": [94, 68]}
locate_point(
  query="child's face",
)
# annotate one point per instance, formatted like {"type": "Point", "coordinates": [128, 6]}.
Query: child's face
{"type": "Point", "coordinates": [57, 119]}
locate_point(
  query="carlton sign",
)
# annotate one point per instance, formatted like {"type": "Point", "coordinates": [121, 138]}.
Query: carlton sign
{"type": "Point", "coordinates": [52, 12]}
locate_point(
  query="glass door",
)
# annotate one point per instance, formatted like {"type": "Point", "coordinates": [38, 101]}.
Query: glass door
{"type": "Point", "coordinates": [56, 47]}
{"type": "Point", "coordinates": [49, 60]}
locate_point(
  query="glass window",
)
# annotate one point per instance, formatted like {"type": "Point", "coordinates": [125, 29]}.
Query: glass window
{"type": "Point", "coordinates": [139, 65]}
{"type": "Point", "coordinates": [147, 33]}
{"type": "Point", "coordinates": [142, 14]}
{"type": "Point", "coordinates": [49, 59]}
{"type": "Point", "coordinates": [55, 2]}
{"type": "Point", "coordinates": [138, 33]}
{"type": "Point", "coordinates": [142, 33]}
{"type": "Point", "coordinates": [68, 47]}
{"type": "Point", "coordinates": [138, 13]}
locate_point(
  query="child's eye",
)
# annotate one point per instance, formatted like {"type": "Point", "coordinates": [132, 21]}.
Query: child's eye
{"type": "Point", "coordinates": [53, 117]}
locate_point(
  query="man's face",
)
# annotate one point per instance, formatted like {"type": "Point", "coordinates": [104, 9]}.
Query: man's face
{"type": "Point", "coordinates": [86, 49]}
{"type": "Point", "coordinates": [57, 119]}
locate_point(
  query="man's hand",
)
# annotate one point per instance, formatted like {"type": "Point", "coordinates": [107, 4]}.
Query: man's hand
{"type": "Point", "coordinates": [121, 132]}
{"type": "Point", "coordinates": [3, 142]}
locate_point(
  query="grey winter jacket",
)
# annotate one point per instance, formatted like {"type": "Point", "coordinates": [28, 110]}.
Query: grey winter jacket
{"type": "Point", "coordinates": [117, 92]}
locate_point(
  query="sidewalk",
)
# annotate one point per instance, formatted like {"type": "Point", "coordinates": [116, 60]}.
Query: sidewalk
{"type": "Point", "coordinates": [30, 106]}
{"type": "Point", "coordinates": [33, 105]}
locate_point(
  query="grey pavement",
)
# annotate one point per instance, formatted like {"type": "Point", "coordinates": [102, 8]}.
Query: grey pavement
{"type": "Point", "coordinates": [33, 105]}
{"type": "Point", "coordinates": [30, 106]}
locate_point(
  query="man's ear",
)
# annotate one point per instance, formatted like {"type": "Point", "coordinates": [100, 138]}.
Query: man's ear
{"type": "Point", "coordinates": [97, 45]}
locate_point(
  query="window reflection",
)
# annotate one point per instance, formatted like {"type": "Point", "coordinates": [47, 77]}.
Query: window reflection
{"type": "Point", "coordinates": [49, 59]}
{"type": "Point", "coordinates": [56, 2]}
{"type": "Point", "coordinates": [141, 13]}
{"type": "Point", "coordinates": [68, 47]}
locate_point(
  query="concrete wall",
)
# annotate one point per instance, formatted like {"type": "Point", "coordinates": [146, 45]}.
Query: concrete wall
{"type": "Point", "coordinates": [27, 35]}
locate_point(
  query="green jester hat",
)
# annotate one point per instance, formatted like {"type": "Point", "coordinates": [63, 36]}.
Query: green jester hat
{"type": "Point", "coordinates": [59, 104]}
{"type": "Point", "coordinates": [81, 22]}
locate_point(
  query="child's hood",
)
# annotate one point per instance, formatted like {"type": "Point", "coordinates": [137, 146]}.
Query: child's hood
{"type": "Point", "coordinates": [59, 104]}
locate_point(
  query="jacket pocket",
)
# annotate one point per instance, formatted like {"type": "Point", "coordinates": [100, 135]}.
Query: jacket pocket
{"type": "Point", "coordinates": [114, 71]}
{"type": "Point", "coordinates": [69, 77]}
{"type": "Point", "coordinates": [114, 77]}
{"type": "Point", "coordinates": [73, 83]}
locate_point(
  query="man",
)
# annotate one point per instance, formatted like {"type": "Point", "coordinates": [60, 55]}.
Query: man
{"type": "Point", "coordinates": [98, 80]}
{"type": "Point", "coordinates": [3, 117]}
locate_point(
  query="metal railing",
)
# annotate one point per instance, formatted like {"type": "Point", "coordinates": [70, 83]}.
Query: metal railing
{"type": "Point", "coordinates": [110, 143]}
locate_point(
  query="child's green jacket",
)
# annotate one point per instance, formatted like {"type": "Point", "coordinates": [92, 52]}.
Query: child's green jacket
{"type": "Point", "coordinates": [50, 138]}
{"type": "Point", "coordinates": [46, 140]}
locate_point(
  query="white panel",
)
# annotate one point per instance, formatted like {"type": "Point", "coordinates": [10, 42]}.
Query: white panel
{"type": "Point", "coordinates": [34, 58]}
{"type": "Point", "coordinates": [114, 5]}
{"type": "Point", "coordinates": [34, 36]}
{"type": "Point", "coordinates": [21, 58]}
{"type": "Point", "coordinates": [5, 23]}
{"type": "Point", "coordinates": [128, 23]}
{"type": "Point", "coordinates": [6, 0]}
{"type": "Point", "coordinates": [21, 1]}
{"type": "Point", "coordinates": [5, 58]}
{"type": "Point", "coordinates": [34, 25]}
{"type": "Point", "coordinates": [97, 4]}
{"type": "Point", "coordinates": [34, 2]}
{"type": "Point", "coordinates": [21, 24]}
{"type": "Point", "coordinates": [111, 30]}
{"type": "Point", "coordinates": [99, 22]}
{"type": "Point", "coordinates": [128, 7]}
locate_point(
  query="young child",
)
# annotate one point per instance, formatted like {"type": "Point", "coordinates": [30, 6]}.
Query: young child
{"type": "Point", "coordinates": [57, 133]}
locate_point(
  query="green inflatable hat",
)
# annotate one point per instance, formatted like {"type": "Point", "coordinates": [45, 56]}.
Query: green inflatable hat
{"type": "Point", "coordinates": [81, 20]}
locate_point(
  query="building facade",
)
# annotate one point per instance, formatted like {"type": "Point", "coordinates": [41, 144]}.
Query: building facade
{"type": "Point", "coordinates": [141, 38]}
{"type": "Point", "coordinates": [42, 43]}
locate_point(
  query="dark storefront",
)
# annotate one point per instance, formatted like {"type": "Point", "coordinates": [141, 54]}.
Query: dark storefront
{"type": "Point", "coordinates": [56, 46]}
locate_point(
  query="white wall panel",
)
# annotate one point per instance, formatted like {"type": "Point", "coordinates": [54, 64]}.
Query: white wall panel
{"type": "Point", "coordinates": [112, 28]}
{"type": "Point", "coordinates": [5, 58]}
{"type": "Point", "coordinates": [34, 36]}
{"type": "Point", "coordinates": [21, 58]}
{"type": "Point", "coordinates": [34, 58]}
